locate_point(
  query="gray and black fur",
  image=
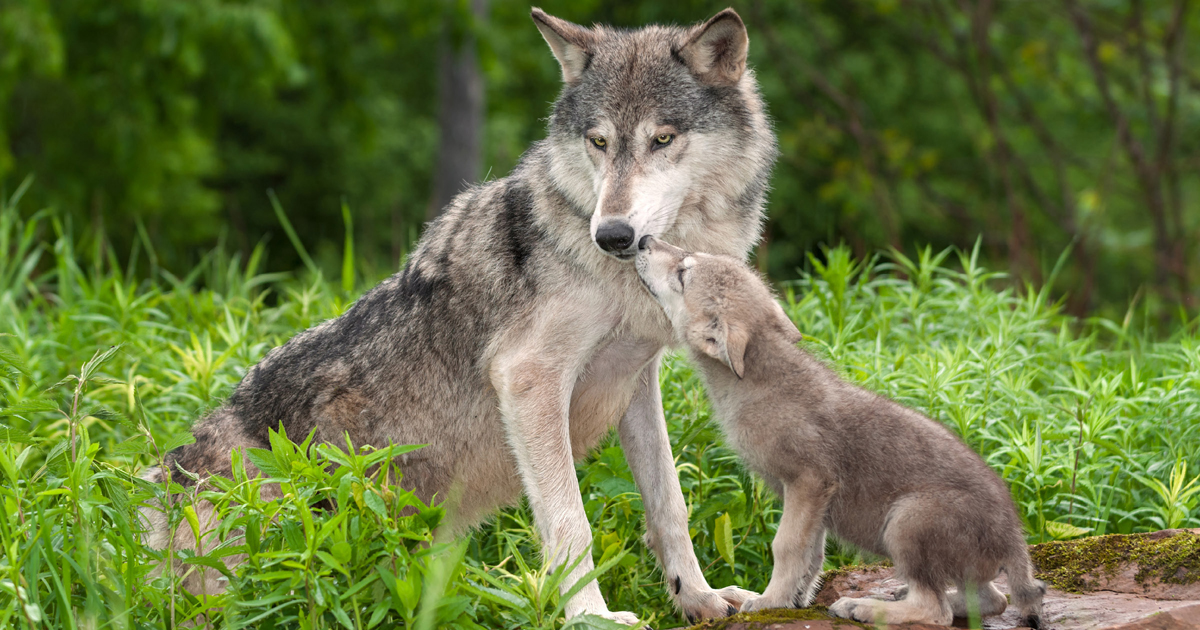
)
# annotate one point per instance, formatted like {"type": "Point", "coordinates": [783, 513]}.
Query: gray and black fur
{"type": "Point", "coordinates": [517, 335]}
{"type": "Point", "coordinates": [877, 474]}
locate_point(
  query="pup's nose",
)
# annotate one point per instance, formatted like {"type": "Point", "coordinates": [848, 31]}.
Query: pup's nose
{"type": "Point", "coordinates": [615, 236]}
{"type": "Point", "coordinates": [645, 242]}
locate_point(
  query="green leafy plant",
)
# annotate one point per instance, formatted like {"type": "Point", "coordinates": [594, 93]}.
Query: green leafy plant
{"type": "Point", "coordinates": [1091, 422]}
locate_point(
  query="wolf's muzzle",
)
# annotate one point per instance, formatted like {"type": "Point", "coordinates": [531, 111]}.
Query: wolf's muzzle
{"type": "Point", "coordinates": [616, 237]}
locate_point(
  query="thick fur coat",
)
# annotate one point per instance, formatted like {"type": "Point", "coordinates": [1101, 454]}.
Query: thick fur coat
{"type": "Point", "coordinates": [517, 334]}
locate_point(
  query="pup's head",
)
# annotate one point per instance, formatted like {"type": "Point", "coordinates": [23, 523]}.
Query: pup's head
{"type": "Point", "coordinates": [716, 304]}
{"type": "Point", "coordinates": [649, 117]}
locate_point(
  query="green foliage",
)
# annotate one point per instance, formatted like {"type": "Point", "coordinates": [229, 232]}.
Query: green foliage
{"type": "Point", "coordinates": [1038, 125]}
{"type": "Point", "coordinates": [179, 116]}
{"type": "Point", "coordinates": [1092, 423]}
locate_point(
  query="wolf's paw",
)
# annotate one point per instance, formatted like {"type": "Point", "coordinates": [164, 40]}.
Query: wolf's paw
{"type": "Point", "coordinates": [619, 616]}
{"type": "Point", "coordinates": [713, 604]}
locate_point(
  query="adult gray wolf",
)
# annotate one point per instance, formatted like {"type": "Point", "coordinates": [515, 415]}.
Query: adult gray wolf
{"type": "Point", "coordinates": [517, 334]}
{"type": "Point", "coordinates": [877, 474]}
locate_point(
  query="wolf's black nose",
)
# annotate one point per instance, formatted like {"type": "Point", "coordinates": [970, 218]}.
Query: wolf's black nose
{"type": "Point", "coordinates": [615, 236]}
{"type": "Point", "coordinates": [644, 242]}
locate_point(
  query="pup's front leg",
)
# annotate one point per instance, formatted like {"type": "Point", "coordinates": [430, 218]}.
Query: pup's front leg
{"type": "Point", "coordinates": [534, 402]}
{"type": "Point", "coordinates": [643, 433]}
{"type": "Point", "coordinates": [798, 548]}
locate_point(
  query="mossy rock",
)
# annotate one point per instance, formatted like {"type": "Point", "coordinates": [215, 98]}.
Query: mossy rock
{"type": "Point", "coordinates": [1076, 566]}
{"type": "Point", "coordinates": [846, 569]}
{"type": "Point", "coordinates": [765, 618]}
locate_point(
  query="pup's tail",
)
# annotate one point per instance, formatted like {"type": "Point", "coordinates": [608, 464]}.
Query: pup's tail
{"type": "Point", "coordinates": [1027, 591]}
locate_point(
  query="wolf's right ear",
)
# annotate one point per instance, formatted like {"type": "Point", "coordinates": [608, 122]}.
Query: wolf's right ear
{"type": "Point", "coordinates": [570, 43]}
{"type": "Point", "coordinates": [716, 51]}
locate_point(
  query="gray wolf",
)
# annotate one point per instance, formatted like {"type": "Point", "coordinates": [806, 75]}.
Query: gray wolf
{"type": "Point", "coordinates": [875, 473]}
{"type": "Point", "coordinates": [517, 335]}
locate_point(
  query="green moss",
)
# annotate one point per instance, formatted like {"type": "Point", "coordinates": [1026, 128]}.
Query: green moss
{"type": "Point", "coordinates": [829, 575]}
{"type": "Point", "coordinates": [1075, 565]}
{"type": "Point", "coordinates": [764, 618]}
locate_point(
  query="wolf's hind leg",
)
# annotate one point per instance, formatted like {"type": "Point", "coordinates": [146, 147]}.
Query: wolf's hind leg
{"type": "Point", "coordinates": [798, 543]}
{"type": "Point", "coordinates": [216, 437]}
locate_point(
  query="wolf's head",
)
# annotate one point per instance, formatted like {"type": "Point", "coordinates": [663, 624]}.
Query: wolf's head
{"type": "Point", "coordinates": [716, 304]}
{"type": "Point", "coordinates": [660, 130]}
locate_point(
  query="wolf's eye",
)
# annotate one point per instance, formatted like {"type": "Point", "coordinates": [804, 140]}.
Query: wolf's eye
{"type": "Point", "coordinates": [599, 141]}
{"type": "Point", "coordinates": [663, 140]}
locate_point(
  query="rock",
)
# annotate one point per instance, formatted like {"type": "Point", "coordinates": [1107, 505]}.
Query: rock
{"type": "Point", "coordinates": [1162, 565]}
{"type": "Point", "coordinates": [1118, 582]}
{"type": "Point", "coordinates": [1185, 618]}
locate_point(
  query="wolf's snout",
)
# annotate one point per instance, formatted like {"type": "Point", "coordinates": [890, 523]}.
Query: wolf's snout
{"type": "Point", "coordinates": [645, 242]}
{"type": "Point", "coordinates": [615, 237]}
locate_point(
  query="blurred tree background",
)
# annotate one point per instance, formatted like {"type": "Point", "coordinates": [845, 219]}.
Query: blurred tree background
{"type": "Point", "coordinates": [1033, 125]}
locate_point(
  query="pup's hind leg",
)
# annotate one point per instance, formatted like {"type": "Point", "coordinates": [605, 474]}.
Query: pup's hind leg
{"type": "Point", "coordinates": [990, 601]}
{"type": "Point", "coordinates": [922, 605]}
{"type": "Point", "coordinates": [798, 548]}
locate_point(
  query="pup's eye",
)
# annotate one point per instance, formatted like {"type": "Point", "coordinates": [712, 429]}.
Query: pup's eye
{"type": "Point", "coordinates": [663, 140]}
{"type": "Point", "coordinates": [599, 142]}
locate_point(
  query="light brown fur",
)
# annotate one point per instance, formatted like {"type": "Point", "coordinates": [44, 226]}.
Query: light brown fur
{"type": "Point", "coordinates": [875, 473]}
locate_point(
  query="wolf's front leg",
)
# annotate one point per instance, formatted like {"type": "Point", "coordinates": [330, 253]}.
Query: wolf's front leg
{"type": "Point", "coordinates": [798, 548]}
{"type": "Point", "coordinates": [647, 447]}
{"type": "Point", "coordinates": [534, 402]}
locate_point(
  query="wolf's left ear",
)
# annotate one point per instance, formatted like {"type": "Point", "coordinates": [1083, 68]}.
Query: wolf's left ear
{"type": "Point", "coordinates": [716, 50]}
{"type": "Point", "coordinates": [570, 43]}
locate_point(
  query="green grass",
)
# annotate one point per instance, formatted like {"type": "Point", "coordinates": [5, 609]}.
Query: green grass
{"type": "Point", "coordinates": [1095, 424]}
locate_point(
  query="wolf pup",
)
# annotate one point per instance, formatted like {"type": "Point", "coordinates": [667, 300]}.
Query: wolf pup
{"type": "Point", "coordinates": [517, 334]}
{"type": "Point", "coordinates": [877, 474]}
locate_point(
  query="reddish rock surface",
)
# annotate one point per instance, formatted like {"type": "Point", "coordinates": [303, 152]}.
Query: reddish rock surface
{"type": "Point", "coordinates": [1061, 611]}
{"type": "Point", "coordinates": [1124, 596]}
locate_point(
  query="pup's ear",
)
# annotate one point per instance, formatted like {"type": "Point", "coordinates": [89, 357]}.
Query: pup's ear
{"type": "Point", "coordinates": [716, 51]}
{"type": "Point", "coordinates": [570, 43]}
{"type": "Point", "coordinates": [789, 327]}
{"type": "Point", "coordinates": [727, 344]}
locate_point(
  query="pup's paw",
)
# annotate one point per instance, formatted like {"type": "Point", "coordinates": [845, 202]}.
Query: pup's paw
{"type": "Point", "coordinates": [755, 604]}
{"type": "Point", "coordinates": [856, 609]}
{"type": "Point", "coordinates": [713, 604]}
{"type": "Point", "coordinates": [735, 596]}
